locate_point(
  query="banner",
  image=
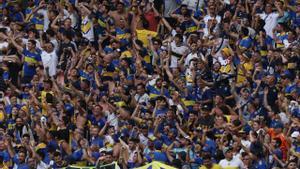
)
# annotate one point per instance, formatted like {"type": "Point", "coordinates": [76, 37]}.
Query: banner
{"type": "Point", "coordinates": [113, 165]}
{"type": "Point", "coordinates": [156, 165]}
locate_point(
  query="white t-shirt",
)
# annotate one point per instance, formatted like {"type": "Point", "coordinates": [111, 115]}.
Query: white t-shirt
{"type": "Point", "coordinates": [50, 61]}
{"type": "Point", "coordinates": [42, 165]}
{"type": "Point", "coordinates": [6, 27]}
{"type": "Point", "coordinates": [176, 49]}
{"type": "Point", "coordinates": [142, 99]}
{"type": "Point", "coordinates": [222, 61]}
{"type": "Point", "coordinates": [192, 4]}
{"type": "Point", "coordinates": [112, 118]}
{"type": "Point", "coordinates": [234, 163]}
{"type": "Point", "coordinates": [179, 107]}
{"type": "Point", "coordinates": [189, 58]}
{"type": "Point", "coordinates": [55, 43]}
{"type": "Point", "coordinates": [206, 19]}
{"type": "Point", "coordinates": [72, 16]}
{"type": "Point", "coordinates": [271, 22]}
{"type": "Point", "coordinates": [173, 33]}
{"type": "Point", "coordinates": [3, 45]}
{"type": "Point", "coordinates": [144, 140]}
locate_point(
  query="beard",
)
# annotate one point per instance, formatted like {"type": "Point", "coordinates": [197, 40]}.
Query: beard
{"type": "Point", "coordinates": [19, 127]}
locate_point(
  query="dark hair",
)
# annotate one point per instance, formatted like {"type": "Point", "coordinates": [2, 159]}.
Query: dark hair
{"type": "Point", "coordinates": [187, 15]}
{"type": "Point", "coordinates": [50, 32]}
{"type": "Point", "coordinates": [183, 5]}
{"type": "Point", "coordinates": [179, 36]}
{"type": "Point", "coordinates": [49, 98]}
{"type": "Point", "coordinates": [57, 153]}
{"type": "Point", "coordinates": [32, 41]}
{"type": "Point", "coordinates": [22, 149]}
{"type": "Point", "coordinates": [68, 35]}
{"type": "Point", "coordinates": [40, 153]}
{"type": "Point", "coordinates": [141, 84]}
{"type": "Point", "coordinates": [107, 7]}
{"type": "Point", "coordinates": [245, 31]}
{"type": "Point", "coordinates": [26, 135]}
{"type": "Point", "coordinates": [207, 157]}
{"type": "Point", "coordinates": [86, 82]}
{"type": "Point", "coordinates": [219, 94]}
{"type": "Point", "coordinates": [139, 42]}
{"type": "Point", "coordinates": [54, 11]}
{"type": "Point", "coordinates": [120, 3]}
{"type": "Point", "coordinates": [40, 67]}
{"type": "Point", "coordinates": [278, 142]}
{"type": "Point", "coordinates": [244, 154]}
{"type": "Point", "coordinates": [156, 40]}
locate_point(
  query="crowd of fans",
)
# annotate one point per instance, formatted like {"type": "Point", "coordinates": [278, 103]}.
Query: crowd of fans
{"type": "Point", "coordinates": [209, 84]}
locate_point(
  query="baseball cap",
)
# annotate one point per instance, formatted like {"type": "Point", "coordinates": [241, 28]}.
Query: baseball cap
{"type": "Point", "coordinates": [226, 150]}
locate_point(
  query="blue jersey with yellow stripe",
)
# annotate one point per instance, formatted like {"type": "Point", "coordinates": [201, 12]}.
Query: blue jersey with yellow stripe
{"type": "Point", "coordinates": [101, 20]}
{"type": "Point", "coordinates": [107, 71]}
{"type": "Point", "coordinates": [85, 75]}
{"type": "Point", "coordinates": [189, 26]}
{"type": "Point", "coordinates": [39, 23]}
{"type": "Point", "coordinates": [153, 91]}
{"type": "Point", "coordinates": [30, 58]}
{"type": "Point", "coordinates": [28, 11]}
{"type": "Point", "coordinates": [122, 35]}
{"type": "Point", "coordinates": [98, 122]}
{"type": "Point", "coordinates": [281, 37]}
{"type": "Point", "coordinates": [263, 49]}
{"type": "Point", "coordinates": [246, 42]}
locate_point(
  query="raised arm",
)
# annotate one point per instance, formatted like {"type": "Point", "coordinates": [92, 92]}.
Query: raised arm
{"type": "Point", "coordinates": [41, 5]}
{"type": "Point", "coordinates": [14, 88]}
{"type": "Point", "coordinates": [19, 47]}
{"type": "Point", "coordinates": [166, 23]}
{"type": "Point", "coordinates": [265, 102]}
{"type": "Point", "coordinates": [102, 131]}
{"type": "Point", "coordinates": [181, 131]}
{"type": "Point", "coordinates": [54, 23]}
{"type": "Point", "coordinates": [280, 11]}
{"type": "Point", "coordinates": [84, 8]}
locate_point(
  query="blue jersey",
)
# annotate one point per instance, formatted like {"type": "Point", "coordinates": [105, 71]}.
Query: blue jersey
{"type": "Point", "coordinates": [246, 42]}
{"type": "Point", "coordinates": [123, 35]}
{"type": "Point", "coordinates": [30, 58]}
{"type": "Point", "coordinates": [101, 122]}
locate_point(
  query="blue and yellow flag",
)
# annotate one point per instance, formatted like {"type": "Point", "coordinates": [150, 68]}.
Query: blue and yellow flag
{"type": "Point", "coordinates": [156, 165]}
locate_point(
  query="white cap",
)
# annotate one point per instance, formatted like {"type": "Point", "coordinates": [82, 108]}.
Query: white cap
{"type": "Point", "coordinates": [295, 134]}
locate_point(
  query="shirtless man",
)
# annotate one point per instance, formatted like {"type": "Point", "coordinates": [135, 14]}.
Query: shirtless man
{"type": "Point", "coordinates": [119, 14]}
